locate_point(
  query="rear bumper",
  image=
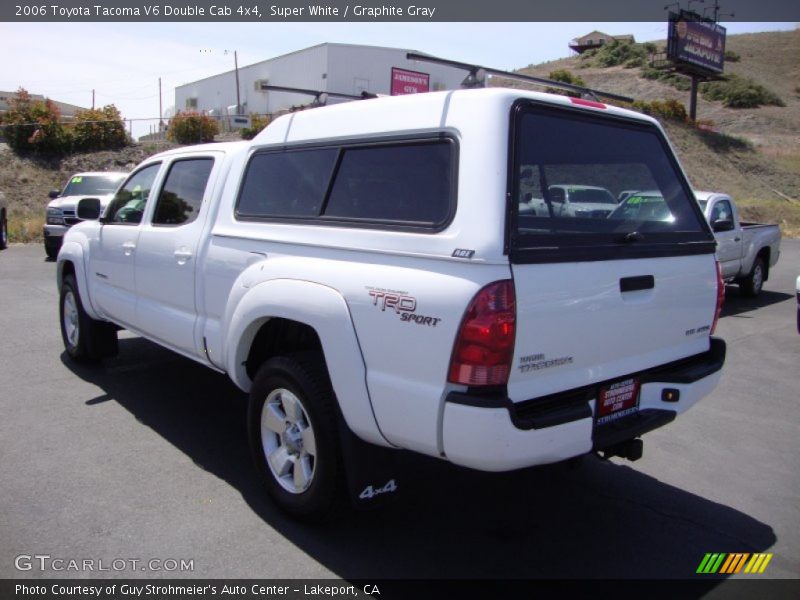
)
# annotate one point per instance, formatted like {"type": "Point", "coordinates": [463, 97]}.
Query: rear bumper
{"type": "Point", "coordinates": [490, 433]}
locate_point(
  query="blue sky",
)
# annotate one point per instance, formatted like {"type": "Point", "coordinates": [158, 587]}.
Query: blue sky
{"type": "Point", "coordinates": [122, 62]}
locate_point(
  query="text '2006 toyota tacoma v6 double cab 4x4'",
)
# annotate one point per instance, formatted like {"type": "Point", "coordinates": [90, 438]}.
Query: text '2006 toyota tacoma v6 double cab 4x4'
{"type": "Point", "coordinates": [365, 272]}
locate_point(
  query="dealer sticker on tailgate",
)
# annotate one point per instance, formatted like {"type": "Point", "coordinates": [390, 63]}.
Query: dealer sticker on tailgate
{"type": "Point", "coordinates": [617, 400]}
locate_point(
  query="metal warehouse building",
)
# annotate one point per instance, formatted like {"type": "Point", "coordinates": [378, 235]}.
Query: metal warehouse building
{"type": "Point", "coordinates": [340, 68]}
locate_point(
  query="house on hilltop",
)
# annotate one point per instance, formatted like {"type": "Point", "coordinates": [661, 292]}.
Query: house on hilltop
{"type": "Point", "coordinates": [596, 39]}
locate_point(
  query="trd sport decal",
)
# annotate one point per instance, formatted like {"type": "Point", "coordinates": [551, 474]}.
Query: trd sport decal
{"type": "Point", "coordinates": [401, 304]}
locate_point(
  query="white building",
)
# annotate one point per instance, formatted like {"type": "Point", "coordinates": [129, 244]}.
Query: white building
{"type": "Point", "coordinates": [340, 68]}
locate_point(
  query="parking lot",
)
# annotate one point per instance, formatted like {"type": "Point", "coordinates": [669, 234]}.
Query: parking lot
{"type": "Point", "coordinates": [146, 458]}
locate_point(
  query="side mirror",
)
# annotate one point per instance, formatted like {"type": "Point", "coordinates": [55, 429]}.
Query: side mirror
{"type": "Point", "coordinates": [721, 225]}
{"type": "Point", "coordinates": [54, 194]}
{"type": "Point", "coordinates": [89, 209]}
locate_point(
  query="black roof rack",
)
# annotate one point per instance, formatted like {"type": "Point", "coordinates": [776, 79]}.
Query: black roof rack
{"type": "Point", "coordinates": [316, 93]}
{"type": "Point", "coordinates": [474, 69]}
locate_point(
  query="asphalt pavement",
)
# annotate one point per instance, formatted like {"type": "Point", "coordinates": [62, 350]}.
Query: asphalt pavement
{"type": "Point", "coordinates": [146, 458]}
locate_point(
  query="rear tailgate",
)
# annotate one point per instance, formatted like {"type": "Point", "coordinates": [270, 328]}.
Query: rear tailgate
{"type": "Point", "coordinates": [602, 298]}
{"type": "Point", "coordinates": [588, 322]}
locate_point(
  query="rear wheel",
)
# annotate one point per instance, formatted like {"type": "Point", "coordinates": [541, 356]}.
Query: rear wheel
{"type": "Point", "coordinates": [51, 247]}
{"type": "Point", "coordinates": [293, 435]}
{"type": "Point", "coordinates": [85, 339]}
{"type": "Point", "coordinates": [754, 282]}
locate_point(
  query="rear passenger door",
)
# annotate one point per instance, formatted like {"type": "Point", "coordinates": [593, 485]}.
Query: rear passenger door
{"type": "Point", "coordinates": [166, 260]}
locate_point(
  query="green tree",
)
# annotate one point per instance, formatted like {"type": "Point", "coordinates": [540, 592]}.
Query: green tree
{"type": "Point", "coordinates": [192, 128]}
{"type": "Point", "coordinates": [99, 129]}
{"type": "Point", "coordinates": [34, 126]}
{"type": "Point", "coordinates": [257, 123]}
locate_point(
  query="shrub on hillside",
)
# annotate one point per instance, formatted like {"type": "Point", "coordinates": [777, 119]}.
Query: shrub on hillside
{"type": "Point", "coordinates": [100, 129]}
{"type": "Point", "coordinates": [618, 53]}
{"type": "Point", "coordinates": [257, 123]}
{"type": "Point", "coordinates": [679, 82]}
{"type": "Point", "coordinates": [667, 109]}
{"type": "Point", "coordinates": [740, 92]}
{"type": "Point", "coordinates": [565, 76]}
{"type": "Point", "coordinates": [192, 128]}
{"type": "Point", "coordinates": [34, 126]}
{"type": "Point", "coordinates": [732, 56]}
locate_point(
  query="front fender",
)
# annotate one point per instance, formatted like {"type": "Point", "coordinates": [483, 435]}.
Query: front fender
{"type": "Point", "coordinates": [72, 252]}
{"type": "Point", "coordinates": [325, 310]}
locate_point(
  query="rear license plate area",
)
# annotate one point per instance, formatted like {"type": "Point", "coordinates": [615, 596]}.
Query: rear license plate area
{"type": "Point", "coordinates": [617, 400]}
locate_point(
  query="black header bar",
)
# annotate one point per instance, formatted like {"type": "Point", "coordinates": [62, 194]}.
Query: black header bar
{"type": "Point", "coordinates": [280, 11]}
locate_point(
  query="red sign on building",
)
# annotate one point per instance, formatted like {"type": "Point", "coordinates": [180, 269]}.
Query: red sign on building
{"type": "Point", "coordinates": [409, 82]}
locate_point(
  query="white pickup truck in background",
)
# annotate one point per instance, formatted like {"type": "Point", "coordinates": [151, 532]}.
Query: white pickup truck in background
{"type": "Point", "coordinates": [745, 251]}
{"type": "Point", "coordinates": [365, 271]}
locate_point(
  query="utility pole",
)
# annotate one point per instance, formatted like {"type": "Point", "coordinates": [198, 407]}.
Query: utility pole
{"type": "Point", "coordinates": [160, 120]}
{"type": "Point", "coordinates": [693, 99]}
{"type": "Point", "coordinates": [92, 99]}
{"type": "Point", "coordinates": [238, 100]}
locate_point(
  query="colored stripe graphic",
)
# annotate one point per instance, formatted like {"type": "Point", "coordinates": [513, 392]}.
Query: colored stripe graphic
{"type": "Point", "coordinates": [758, 563]}
{"type": "Point", "coordinates": [729, 564]}
{"type": "Point", "coordinates": [711, 563]}
{"type": "Point", "coordinates": [703, 563]}
{"type": "Point", "coordinates": [734, 563]}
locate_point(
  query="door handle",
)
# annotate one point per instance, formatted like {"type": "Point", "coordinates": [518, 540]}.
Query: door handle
{"type": "Point", "coordinates": [128, 248]}
{"type": "Point", "coordinates": [635, 284]}
{"type": "Point", "coordinates": [737, 239]}
{"type": "Point", "coordinates": [182, 256]}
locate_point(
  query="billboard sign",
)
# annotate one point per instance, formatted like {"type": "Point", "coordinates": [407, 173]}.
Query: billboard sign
{"type": "Point", "coordinates": [409, 82]}
{"type": "Point", "coordinates": [695, 43]}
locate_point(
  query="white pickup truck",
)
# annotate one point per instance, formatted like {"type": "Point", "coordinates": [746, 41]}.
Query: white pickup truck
{"type": "Point", "coordinates": [364, 272]}
{"type": "Point", "coordinates": [745, 251]}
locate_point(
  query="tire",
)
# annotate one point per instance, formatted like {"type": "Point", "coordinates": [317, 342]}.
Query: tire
{"type": "Point", "coordinates": [51, 248]}
{"type": "Point", "coordinates": [754, 282]}
{"type": "Point", "coordinates": [293, 436]}
{"type": "Point", "coordinates": [3, 230]}
{"type": "Point", "coordinates": [85, 339]}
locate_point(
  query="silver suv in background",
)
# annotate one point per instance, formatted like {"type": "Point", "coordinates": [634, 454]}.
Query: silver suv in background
{"type": "Point", "coordinates": [61, 210]}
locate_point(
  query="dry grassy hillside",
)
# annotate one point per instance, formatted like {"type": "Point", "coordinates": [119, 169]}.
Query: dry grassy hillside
{"type": "Point", "coordinates": [771, 58]}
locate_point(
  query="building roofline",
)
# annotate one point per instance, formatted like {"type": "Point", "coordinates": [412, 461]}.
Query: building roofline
{"type": "Point", "coordinates": [268, 60]}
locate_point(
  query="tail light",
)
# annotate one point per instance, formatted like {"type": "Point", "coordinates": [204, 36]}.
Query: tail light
{"type": "Point", "coordinates": [484, 345]}
{"type": "Point", "coordinates": [720, 297]}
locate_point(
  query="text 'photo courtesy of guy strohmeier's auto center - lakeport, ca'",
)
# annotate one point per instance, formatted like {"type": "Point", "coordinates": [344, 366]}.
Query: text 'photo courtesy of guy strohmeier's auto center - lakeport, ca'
{"type": "Point", "coordinates": [394, 301]}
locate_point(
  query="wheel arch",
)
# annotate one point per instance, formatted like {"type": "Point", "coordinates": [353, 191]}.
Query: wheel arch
{"type": "Point", "coordinates": [283, 316]}
{"type": "Point", "coordinates": [70, 262]}
{"type": "Point", "coordinates": [765, 253]}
